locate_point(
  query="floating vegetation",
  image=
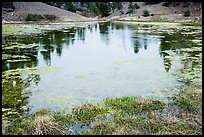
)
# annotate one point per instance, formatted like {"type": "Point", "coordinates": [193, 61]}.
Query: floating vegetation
{"type": "Point", "coordinates": [20, 46]}
{"type": "Point", "coordinates": [33, 29]}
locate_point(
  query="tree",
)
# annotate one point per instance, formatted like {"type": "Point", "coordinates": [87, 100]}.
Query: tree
{"type": "Point", "coordinates": [94, 9]}
{"type": "Point", "coordinates": [187, 13]}
{"type": "Point", "coordinates": [119, 5]}
{"type": "Point", "coordinates": [130, 8]}
{"type": "Point", "coordinates": [116, 5]}
{"type": "Point", "coordinates": [59, 4]}
{"type": "Point", "coordinates": [145, 13]}
{"type": "Point", "coordinates": [136, 6]}
{"type": "Point", "coordinates": [70, 7]}
{"type": "Point", "coordinates": [105, 9]}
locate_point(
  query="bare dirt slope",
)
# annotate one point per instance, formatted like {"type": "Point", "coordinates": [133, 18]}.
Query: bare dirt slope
{"type": "Point", "coordinates": [23, 8]}
{"type": "Point", "coordinates": [171, 13]}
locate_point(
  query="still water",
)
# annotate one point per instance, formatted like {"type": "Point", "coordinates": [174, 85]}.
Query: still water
{"type": "Point", "coordinates": [87, 64]}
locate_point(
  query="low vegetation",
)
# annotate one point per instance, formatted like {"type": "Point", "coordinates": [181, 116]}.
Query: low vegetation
{"type": "Point", "coordinates": [38, 17]}
{"type": "Point", "coordinates": [50, 17]}
{"type": "Point", "coordinates": [132, 7]}
{"type": "Point", "coordinates": [126, 115]}
{"type": "Point", "coordinates": [33, 17]}
{"type": "Point", "coordinates": [187, 13]}
{"type": "Point", "coordinates": [145, 13]}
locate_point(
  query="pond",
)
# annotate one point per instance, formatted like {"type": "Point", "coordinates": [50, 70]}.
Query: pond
{"type": "Point", "coordinates": [58, 67]}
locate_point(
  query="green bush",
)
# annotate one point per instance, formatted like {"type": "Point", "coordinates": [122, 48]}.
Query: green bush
{"type": "Point", "coordinates": [104, 9]}
{"type": "Point", "coordinates": [187, 13]}
{"type": "Point", "coordinates": [136, 6]}
{"type": "Point", "coordinates": [70, 7]}
{"type": "Point", "coordinates": [33, 17]}
{"type": "Point", "coordinates": [145, 13]}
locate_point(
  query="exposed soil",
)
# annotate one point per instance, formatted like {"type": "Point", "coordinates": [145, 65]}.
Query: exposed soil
{"type": "Point", "coordinates": [162, 13]}
{"type": "Point", "coordinates": [24, 8]}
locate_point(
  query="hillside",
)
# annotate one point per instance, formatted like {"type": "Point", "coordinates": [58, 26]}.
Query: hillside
{"type": "Point", "coordinates": [172, 13]}
{"type": "Point", "coordinates": [23, 8]}
{"type": "Point", "coordinates": [87, 11]}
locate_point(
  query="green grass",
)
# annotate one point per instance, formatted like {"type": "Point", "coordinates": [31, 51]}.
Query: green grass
{"type": "Point", "coordinates": [119, 116]}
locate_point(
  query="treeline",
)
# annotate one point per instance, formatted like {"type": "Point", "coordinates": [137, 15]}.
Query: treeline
{"type": "Point", "coordinates": [104, 9]}
{"type": "Point", "coordinates": [97, 8]}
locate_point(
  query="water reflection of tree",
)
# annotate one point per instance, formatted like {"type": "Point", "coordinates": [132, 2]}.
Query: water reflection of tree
{"type": "Point", "coordinates": [20, 50]}
{"type": "Point", "coordinates": [190, 62]}
{"type": "Point", "coordinates": [59, 36]}
{"type": "Point", "coordinates": [14, 98]}
{"type": "Point", "coordinates": [145, 43]}
{"type": "Point", "coordinates": [81, 33]}
{"type": "Point", "coordinates": [119, 26]}
{"type": "Point", "coordinates": [47, 40]}
{"type": "Point", "coordinates": [54, 40]}
{"type": "Point", "coordinates": [103, 27]}
{"type": "Point", "coordinates": [174, 43]}
{"type": "Point", "coordinates": [136, 46]}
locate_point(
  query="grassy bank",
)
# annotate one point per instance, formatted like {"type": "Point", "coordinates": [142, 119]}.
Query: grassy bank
{"type": "Point", "coordinates": [127, 115]}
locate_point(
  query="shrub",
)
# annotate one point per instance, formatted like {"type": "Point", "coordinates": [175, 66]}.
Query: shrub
{"type": "Point", "coordinates": [166, 4]}
{"type": "Point", "coordinates": [50, 17]}
{"type": "Point", "coordinates": [145, 13]}
{"type": "Point", "coordinates": [70, 7]}
{"type": "Point", "coordinates": [104, 9]}
{"type": "Point", "coordinates": [187, 13]}
{"type": "Point", "coordinates": [33, 17]}
{"type": "Point", "coordinates": [152, 14]}
{"type": "Point", "coordinates": [136, 6]}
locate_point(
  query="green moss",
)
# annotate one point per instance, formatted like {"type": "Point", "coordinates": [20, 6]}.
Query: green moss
{"type": "Point", "coordinates": [33, 17]}
{"type": "Point", "coordinates": [133, 105]}
{"type": "Point", "coordinates": [87, 112]}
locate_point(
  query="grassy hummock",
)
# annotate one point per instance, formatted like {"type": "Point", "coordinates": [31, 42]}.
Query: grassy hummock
{"type": "Point", "coordinates": [118, 116]}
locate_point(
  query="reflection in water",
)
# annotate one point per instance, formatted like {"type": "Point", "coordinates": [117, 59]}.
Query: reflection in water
{"type": "Point", "coordinates": [14, 97]}
{"type": "Point", "coordinates": [91, 63]}
{"type": "Point", "coordinates": [174, 43]}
